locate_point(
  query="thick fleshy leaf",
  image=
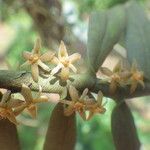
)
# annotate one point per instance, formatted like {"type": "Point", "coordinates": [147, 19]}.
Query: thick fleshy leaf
{"type": "Point", "coordinates": [61, 134]}
{"type": "Point", "coordinates": [138, 38]}
{"type": "Point", "coordinates": [105, 29]}
{"type": "Point", "coordinates": [123, 128]}
{"type": "Point", "coordinates": [8, 136]}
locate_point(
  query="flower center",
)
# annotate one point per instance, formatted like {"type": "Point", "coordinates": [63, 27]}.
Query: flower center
{"type": "Point", "coordinates": [34, 58]}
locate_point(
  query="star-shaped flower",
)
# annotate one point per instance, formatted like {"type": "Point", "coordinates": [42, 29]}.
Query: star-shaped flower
{"type": "Point", "coordinates": [77, 103]}
{"type": "Point", "coordinates": [64, 62]}
{"type": "Point", "coordinates": [36, 60]}
{"type": "Point", "coordinates": [118, 77]}
{"type": "Point", "coordinates": [95, 106]}
{"type": "Point", "coordinates": [30, 102]}
{"type": "Point", "coordinates": [136, 78]}
{"type": "Point", "coordinates": [6, 107]}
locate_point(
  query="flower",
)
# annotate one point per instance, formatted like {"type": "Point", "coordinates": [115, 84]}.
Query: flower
{"type": "Point", "coordinates": [30, 102]}
{"type": "Point", "coordinates": [35, 59]}
{"type": "Point", "coordinates": [118, 77]}
{"type": "Point", "coordinates": [6, 107]}
{"type": "Point", "coordinates": [64, 62]}
{"type": "Point", "coordinates": [95, 106]}
{"type": "Point", "coordinates": [77, 102]}
{"type": "Point", "coordinates": [83, 103]}
{"type": "Point", "coordinates": [136, 78]}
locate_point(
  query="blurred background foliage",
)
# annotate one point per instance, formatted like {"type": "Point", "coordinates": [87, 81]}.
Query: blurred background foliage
{"type": "Point", "coordinates": [18, 30]}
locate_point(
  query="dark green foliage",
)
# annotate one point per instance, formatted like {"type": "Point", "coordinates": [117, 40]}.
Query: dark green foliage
{"type": "Point", "coordinates": [138, 37]}
{"type": "Point", "coordinates": [123, 128]}
{"type": "Point", "coordinates": [105, 29]}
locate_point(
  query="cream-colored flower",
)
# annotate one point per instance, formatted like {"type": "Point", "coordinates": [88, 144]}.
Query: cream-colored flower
{"type": "Point", "coordinates": [77, 103]}
{"type": "Point", "coordinates": [64, 62]}
{"type": "Point", "coordinates": [95, 106]}
{"type": "Point", "coordinates": [136, 78]}
{"type": "Point", "coordinates": [6, 107]}
{"type": "Point", "coordinates": [118, 77]}
{"type": "Point", "coordinates": [36, 60]}
{"type": "Point", "coordinates": [30, 102]}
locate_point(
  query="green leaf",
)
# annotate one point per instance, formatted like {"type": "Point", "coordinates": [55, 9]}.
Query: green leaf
{"type": "Point", "coordinates": [138, 37]}
{"type": "Point", "coordinates": [123, 128]}
{"type": "Point", "coordinates": [105, 29]}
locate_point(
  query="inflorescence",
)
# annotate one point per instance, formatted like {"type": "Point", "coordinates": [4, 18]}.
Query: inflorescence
{"type": "Point", "coordinates": [85, 104]}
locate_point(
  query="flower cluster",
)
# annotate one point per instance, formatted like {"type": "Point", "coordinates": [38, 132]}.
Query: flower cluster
{"type": "Point", "coordinates": [83, 104]}
{"type": "Point", "coordinates": [37, 61]}
{"type": "Point", "coordinates": [11, 107]}
{"type": "Point", "coordinates": [121, 77]}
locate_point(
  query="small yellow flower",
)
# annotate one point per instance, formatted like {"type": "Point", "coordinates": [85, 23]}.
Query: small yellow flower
{"type": "Point", "coordinates": [30, 102]}
{"type": "Point", "coordinates": [136, 78]}
{"type": "Point", "coordinates": [77, 103]}
{"type": "Point", "coordinates": [118, 77]}
{"type": "Point", "coordinates": [64, 62]}
{"type": "Point", "coordinates": [95, 106]}
{"type": "Point", "coordinates": [35, 59]}
{"type": "Point", "coordinates": [6, 107]}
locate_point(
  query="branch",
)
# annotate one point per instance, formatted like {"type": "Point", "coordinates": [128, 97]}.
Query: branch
{"type": "Point", "coordinates": [13, 81]}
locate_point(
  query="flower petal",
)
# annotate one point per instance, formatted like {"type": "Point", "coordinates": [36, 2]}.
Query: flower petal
{"type": "Point", "coordinates": [42, 98]}
{"type": "Point", "coordinates": [73, 68]}
{"type": "Point", "coordinates": [27, 63]}
{"type": "Point", "coordinates": [56, 69]}
{"type": "Point", "coordinates": [84, 94]}
{"type": "Point", "coordinates": [37, 46]}
{"type": "Point", "coordinates": [133, 86]}
{"type": "Point", "coordinates": [99, 98]}
{"type": "Point", "coordinates": [26, 55]}
{"type": "Point", "coordinates": [11, 117]}
{"type": "Point", "coordinates": [14, 103]}
{"type": "Point", "coordinates": [5, 98]}
{"type": "Point", "coordinates": [55, 60]}
{"type": "Point", "coordinates": [82, 114]}
{"type": "Point", "coordinates": [141, 83]}
{"type": "Point", "coordinates": [19, 109]}
{"type": "Point", "coordinates": [112, 86]}
{"type": "Point", "coordinates": [62, 51]}
{"type": "Point", "coordinates": [74, 57]}
{"type": "Point", "coordinates": [48, 56]}
{"type": "Point", "coordinates": [26, 92]}
{"type": "Point", "coordinates": [32, 110]}
{"type": "Point", "coordinates": [43, 66]}
{"type": "Point", "coordinates": [106, 71]}
{"type": "Point", "coordinates": [73, 93]}
{"type": "Point", "coordinates": [118, 67]}
{"type": "Point", "coordinates": [35, 72]}
{"type": "Point", "coordinates": [68, 111]}
{"type": "Point", "coordinates": [134, 66]}
{"type": "Point", "coordinates": [91, 114]}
